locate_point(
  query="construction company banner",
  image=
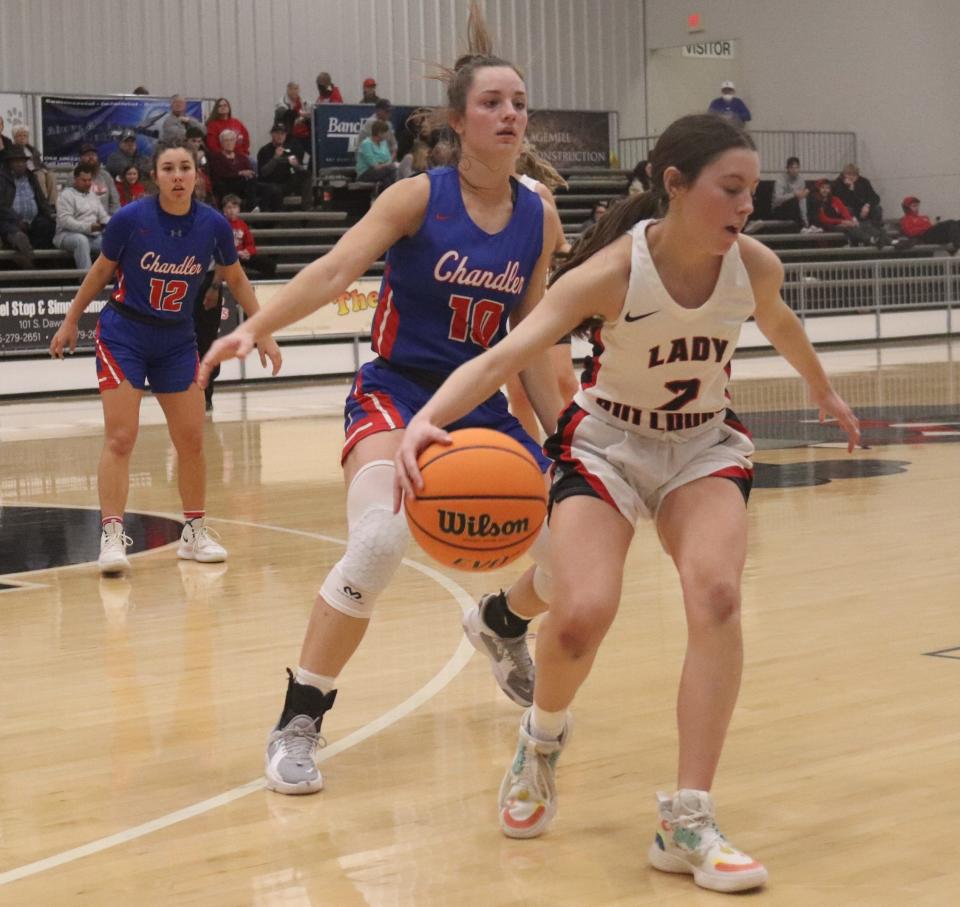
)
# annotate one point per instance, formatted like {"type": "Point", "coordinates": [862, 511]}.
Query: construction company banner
{"type": "Point", "coordinates": [67, 122]}
{"type": "Point", "coordinates": [335, 129]}
{"type": "Point", "coordinates": [30, 318]}
{"type": "Point", "coordinates": [571, 138]}
{"type": "Point", "coordinates": [350, 313]}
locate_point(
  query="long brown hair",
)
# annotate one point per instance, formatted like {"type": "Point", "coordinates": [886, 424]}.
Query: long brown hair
{"type": "Point", "coordinates": [688, 144]}
{"type": "Point", "coordinates": [529, 163]}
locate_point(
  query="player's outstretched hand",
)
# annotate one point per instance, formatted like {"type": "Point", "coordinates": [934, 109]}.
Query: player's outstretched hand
{"type": "Point", "coordinates": [419, 434]}
{"type": "Point", "coordinates": [268, 349]}
{"type": "Point", "coordinates": [236, 345]}
{"type": "Point", "coordinates": [831, 404]}
{"type": "Point", "coordinates": [64, 339]}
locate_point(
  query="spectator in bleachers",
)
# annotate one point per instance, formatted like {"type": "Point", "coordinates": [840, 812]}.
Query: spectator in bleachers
{"type": "Point", "coordinates": [327, 92]}
{"type": "Point", "coordinates": [250, 259]}
{"type": "Point", "coordinates": [857, 193]}
{"type": "Point", "coordinates": [103, 186]}
{"type": "Point", "coordinates": [26, 218]}
{"type": "Point", "coordinates": [231, 172]}
{"type": "Point", "coordinates": [203, 188]}
{"type": "Point", "coordinates": [279, 165]}
{"type": "Point", "coordinates": [5, 143]}
{"type": "Point", "coordinates": [129, 187]}
{"type": "Point", "coordinates": [381, 114]}
{"type": "Point", "coordinates": [294, 113]}
{"type": "Point", "coordinates": [140, 90]}
{"type": "Point", "coordinates": [80, 217]}
{"type": "Point", "coordinates": [791, 198]}
{"type": "Point", "coordinates": [416, 160]}
{"type": "Point", "coordinates": [599, 210]}
{"type": "Point", "coordinates": [45, 177]}
{"type": "Point", "coordinates": [126, 156]}
{"type": "Point", "coordinates": [835, 217]}
{"type": "Point", "coordinates": [916, 226]}
{"type": "Point", "coordinates": [640, 178]}
{"type": "Point", "coordinates": [730, 106]}
{"type": "Point", "coordinates": [375, 164]}
{"type": "Point", "coordinates": [369, 91]}
{"type": "Point", "coordinates": [222, 118]}
{"type": "Point", "coordinates": [173, 127]}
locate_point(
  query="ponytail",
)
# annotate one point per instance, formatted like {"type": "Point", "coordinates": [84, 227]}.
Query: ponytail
{"type": "Point", "coordinates": [619, 219]}
{"type": "Point", "coordinates": [531, 164]}
{"type": "Point", "coordinates": [688, 145]}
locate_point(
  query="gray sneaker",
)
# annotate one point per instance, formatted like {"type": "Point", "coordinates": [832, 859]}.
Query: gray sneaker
{"type": "Point", "coordinates": [289, 764]}
{"type": "Point", "coordinates": [509, 657]}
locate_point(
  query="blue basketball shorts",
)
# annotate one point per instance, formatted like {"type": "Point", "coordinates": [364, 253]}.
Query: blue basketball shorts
{"type": "Point", "coordinates": [383, 399]}
{"type": "Point", "coordinates": [163, 356]}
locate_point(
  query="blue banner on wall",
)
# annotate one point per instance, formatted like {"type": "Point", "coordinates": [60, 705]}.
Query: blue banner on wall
{"type": "Point", "coordinates": [67, 122]}
{"type": "Point", "coordinates": [335, 129]}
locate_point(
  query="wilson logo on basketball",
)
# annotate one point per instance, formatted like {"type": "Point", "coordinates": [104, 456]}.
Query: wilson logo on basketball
{"type": "Point", "coordinates": [453, 522]}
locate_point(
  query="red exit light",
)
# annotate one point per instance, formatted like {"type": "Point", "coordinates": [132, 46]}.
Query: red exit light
{"type": "Point", "coordinates": [694, 22]}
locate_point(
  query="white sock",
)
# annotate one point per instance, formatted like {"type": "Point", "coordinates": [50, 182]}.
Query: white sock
{"type": "Point", "coordinates": [547, 725]}
{"type": "Point", "coordinates": [323, 682]}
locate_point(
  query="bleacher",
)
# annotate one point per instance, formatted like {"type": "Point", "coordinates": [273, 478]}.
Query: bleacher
{"type": "Point", "coordinates": [294, 238]}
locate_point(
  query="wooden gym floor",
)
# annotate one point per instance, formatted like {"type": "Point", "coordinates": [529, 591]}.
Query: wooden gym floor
{"type": "Point", "coordinates": [135, 711]}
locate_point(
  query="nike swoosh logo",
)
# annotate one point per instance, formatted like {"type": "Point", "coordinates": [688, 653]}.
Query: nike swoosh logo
{"type": "Point", "coordinates": [629, 317]}
{"type": "Point", "coordinates": [443, 217]}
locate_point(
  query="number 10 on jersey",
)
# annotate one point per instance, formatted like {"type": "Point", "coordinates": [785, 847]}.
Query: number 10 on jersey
{"type": "Point", "coordinates": [475, 320]}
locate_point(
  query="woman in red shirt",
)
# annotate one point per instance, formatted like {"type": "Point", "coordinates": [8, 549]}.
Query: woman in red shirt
{"type": "Point", "coordinates": [129, 187]}
{"type": "Point", "coordinates": [223, 118]}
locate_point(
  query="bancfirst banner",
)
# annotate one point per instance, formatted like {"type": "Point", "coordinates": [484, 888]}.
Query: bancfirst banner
{"type": "Point", "coordinates": [571, 138]}
{"type": "Point", "coordinates": [335, 130]}
{"type": "Point", "coordinates": [67, 123]}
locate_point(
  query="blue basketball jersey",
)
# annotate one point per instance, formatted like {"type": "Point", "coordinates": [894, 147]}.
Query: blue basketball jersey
{"type": "Point", "coordinates": [448, 291]}
{"type": "Point", "coordinates": [162, 258]}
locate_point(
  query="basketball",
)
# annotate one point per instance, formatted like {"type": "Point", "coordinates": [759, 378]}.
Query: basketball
{"type": "Point", "coordinates": [482, 502]}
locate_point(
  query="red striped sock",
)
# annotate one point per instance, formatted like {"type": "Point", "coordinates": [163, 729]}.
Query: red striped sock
{"type": "Point", "coordinates": [190, 515]}
{"type": "Point", "coordinates": [111, 519]}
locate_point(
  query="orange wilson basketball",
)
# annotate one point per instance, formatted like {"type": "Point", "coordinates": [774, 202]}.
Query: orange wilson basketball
{"type": "Point", "coordinates": [482, 502]}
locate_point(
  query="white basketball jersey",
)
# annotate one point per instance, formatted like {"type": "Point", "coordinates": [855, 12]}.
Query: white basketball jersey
{"type": "Point", "coordinates": [660, 367]}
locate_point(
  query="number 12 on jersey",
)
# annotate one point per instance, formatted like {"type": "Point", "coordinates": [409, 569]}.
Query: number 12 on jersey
{"type": "Point", "coordinates": [475, 320]}
{"type": "Point", "coordinates": [167, 295]}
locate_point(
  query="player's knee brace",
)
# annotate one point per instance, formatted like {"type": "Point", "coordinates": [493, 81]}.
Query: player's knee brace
{"type": "Point", "coordinates": [542, 575]}
{"type": "Point", "coordinates": [377, 538]}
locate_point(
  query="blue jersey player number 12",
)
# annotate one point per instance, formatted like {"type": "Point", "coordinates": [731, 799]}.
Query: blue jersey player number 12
{"type": "Point", "coordinates": [157, 251]}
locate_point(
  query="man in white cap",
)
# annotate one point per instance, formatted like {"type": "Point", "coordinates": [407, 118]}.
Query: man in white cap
{"type": "Point", "coordinates": [729, 105]}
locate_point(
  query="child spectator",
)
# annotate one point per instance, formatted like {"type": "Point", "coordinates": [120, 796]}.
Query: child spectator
{"type": "Point", "coordinates": [129, 187]}
{"type": "Point", "coordinates": [250, 259]}
{"type": "Point", "coordinates": [917, 226]}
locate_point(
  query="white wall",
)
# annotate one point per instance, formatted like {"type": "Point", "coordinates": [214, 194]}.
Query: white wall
{"type": "Point", "coordinates": [885, 69]}
{"type": "Point", "coordinates": [581, 54]}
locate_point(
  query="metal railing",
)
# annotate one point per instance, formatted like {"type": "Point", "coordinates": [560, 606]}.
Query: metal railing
{"type": "Point", "coordinates": [820, 153]}
{"type": "Point", "coordinates": [854, 287]}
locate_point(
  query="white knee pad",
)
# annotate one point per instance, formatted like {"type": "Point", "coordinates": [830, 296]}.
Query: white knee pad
{"type": "Point", "coordinates": [377, 539]}
{"type": "Point", "coordinates": [542, 575]}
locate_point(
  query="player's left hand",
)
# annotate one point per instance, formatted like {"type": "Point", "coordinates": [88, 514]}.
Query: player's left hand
{"type": "Point", "coordinates": [417, 436]}
{"type": "Point", "coordinates": [268, 349]}
{"type": "Point", "coordinates": [831, 404]}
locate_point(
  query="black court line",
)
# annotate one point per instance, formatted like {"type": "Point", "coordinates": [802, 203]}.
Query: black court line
{"type": "Point", "coordinates": [953, 653]}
